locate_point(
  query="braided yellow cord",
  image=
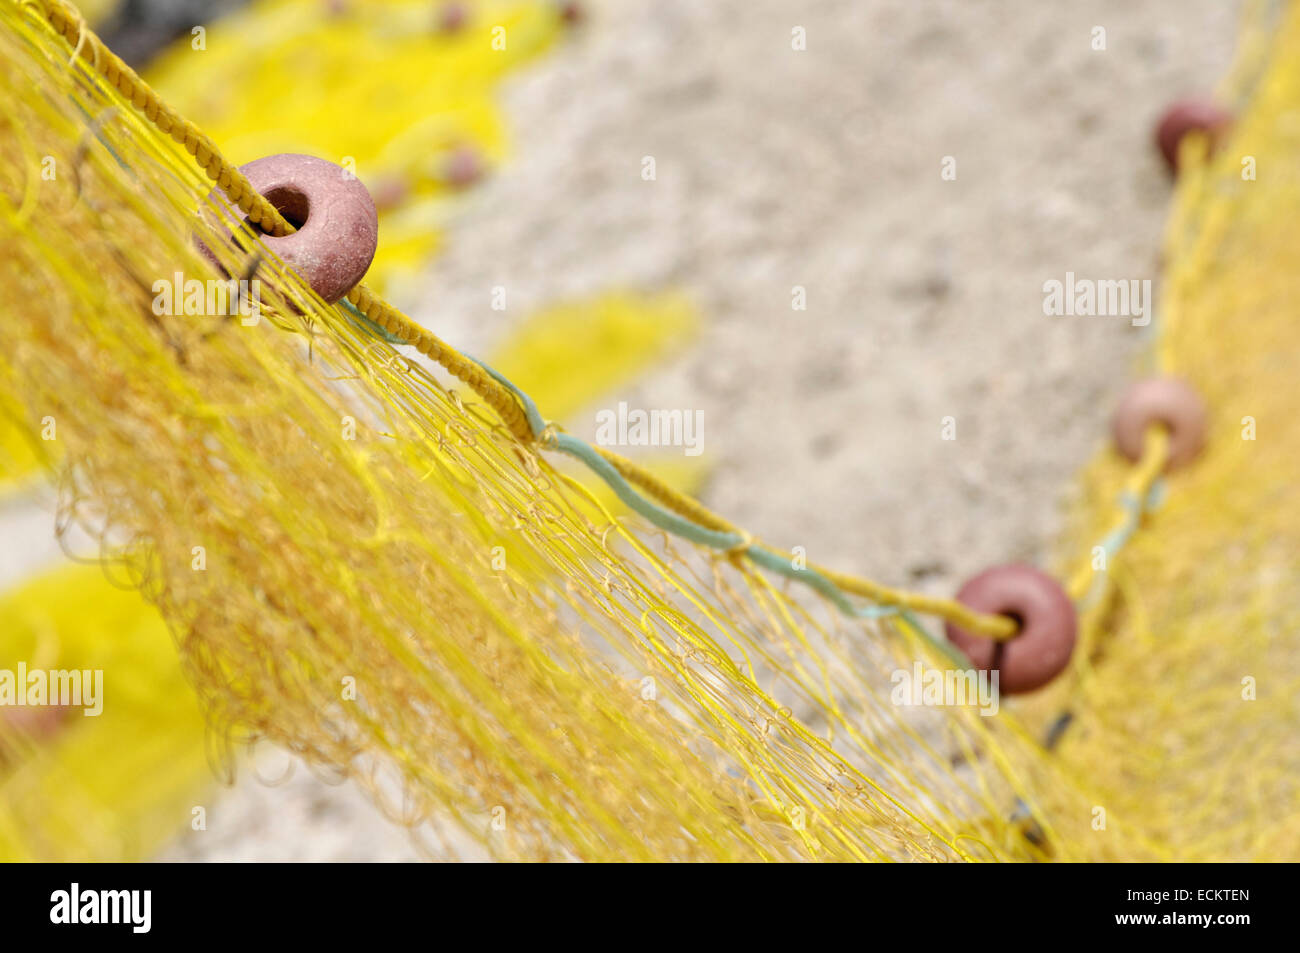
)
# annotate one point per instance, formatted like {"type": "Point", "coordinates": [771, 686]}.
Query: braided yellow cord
{"type": "Point", "coordinates": [433, 347]}
{"type": "Point", "coordinates": [1155, 454]}
{"type": "Point", "coordinates": [661, 492]}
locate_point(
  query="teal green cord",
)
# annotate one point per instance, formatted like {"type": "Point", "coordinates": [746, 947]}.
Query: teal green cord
{"type": "Point", "coordinates": [687, 529]}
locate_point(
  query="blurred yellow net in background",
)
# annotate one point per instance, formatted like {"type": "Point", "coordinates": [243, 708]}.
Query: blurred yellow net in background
{"type": "Point", "coordinates": [363, 564]}
{"type": "Point", "coordinates": [79, 786]}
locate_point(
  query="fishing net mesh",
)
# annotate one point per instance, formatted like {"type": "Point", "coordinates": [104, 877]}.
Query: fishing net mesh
{"type": "Point", "coordinates": [360, 561]}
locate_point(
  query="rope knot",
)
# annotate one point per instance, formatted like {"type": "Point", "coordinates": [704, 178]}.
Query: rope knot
{"type": "Point", "coordinates": [738, 552]}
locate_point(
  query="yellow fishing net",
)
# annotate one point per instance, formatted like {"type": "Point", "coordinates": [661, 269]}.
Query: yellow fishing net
{"type": "Point", "coordinates": [377, 566]}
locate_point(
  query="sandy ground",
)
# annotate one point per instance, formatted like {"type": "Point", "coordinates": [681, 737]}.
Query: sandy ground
{"type": "Point", "coordinates": [821, 168]}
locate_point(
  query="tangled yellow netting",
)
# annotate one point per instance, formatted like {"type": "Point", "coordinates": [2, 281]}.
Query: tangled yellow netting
{"type": "Point", "coordinates": [371, 568]}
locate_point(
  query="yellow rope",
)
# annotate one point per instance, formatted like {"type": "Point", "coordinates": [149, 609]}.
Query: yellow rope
{"type": "Point", "coordinates": [661, 492]}
{"type": "Point", "coordinates": [994, 626]}
{"type": "Point", "coordinates": [433, 347]}
{"type": "Point", "coordinates": [1155, 454]}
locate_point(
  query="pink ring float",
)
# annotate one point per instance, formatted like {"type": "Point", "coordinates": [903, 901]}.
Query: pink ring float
{"type": "Point", "coordinates": [1048, 627]}
{"type": "Point", "coordinates": [1166, 401]}
{"type": "Point", "coordinates": [338, 227]}
{"type": "Point", "coordinates": [1190, 115]}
